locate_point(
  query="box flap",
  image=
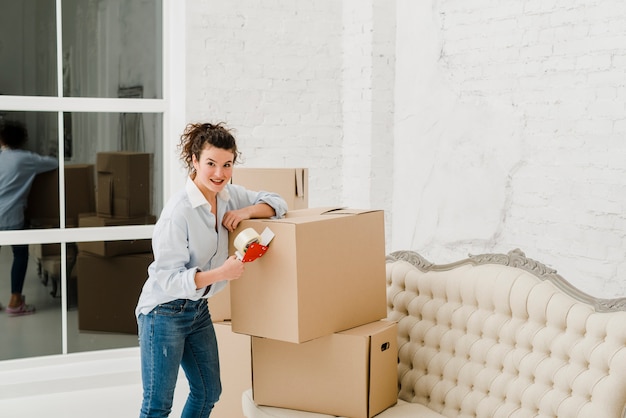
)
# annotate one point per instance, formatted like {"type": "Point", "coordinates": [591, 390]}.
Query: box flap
{"type": "Point", "coordinates": [348, 211]}
{"type": "Point", "coordinates": [300, 173]}
{"type": "Point", "coordinates": [301, 213]}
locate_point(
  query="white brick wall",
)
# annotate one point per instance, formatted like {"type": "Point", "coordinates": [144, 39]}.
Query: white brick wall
{"type": "Point", "coordinates": [537, 92]}
{"type": "Point", "coordinates": [480, 125]}
{"type": "Point", "coordinates": [272, 70]}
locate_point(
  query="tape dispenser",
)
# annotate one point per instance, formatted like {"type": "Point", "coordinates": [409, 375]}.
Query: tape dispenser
{"type": "Point", "coordinates": [249, 245]}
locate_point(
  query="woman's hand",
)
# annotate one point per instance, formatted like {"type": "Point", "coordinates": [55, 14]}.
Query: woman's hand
{"type": "Point", "coordinates": [233, 217]}
{"type": "Point", "coordinates": [232, 268]}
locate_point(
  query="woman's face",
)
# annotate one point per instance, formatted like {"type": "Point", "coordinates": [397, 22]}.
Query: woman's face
{"type": "Point", "coordinates": [214, 168]}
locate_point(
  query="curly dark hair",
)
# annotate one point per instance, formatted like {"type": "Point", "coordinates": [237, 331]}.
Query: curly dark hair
{"type": "Point", "coordinates": [197, 135]}
{"type": "Point", "coordinates": [13, 134]}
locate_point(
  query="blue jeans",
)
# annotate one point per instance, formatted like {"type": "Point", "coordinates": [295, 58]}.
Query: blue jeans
{"type": "Point", "coordinates": [20, 263]}
{"type": "Point", "coordinates": [179, 333]}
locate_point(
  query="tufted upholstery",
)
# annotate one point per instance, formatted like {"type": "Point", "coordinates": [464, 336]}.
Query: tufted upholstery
{"type": "Point", "coordinates": [493, 340]}
{"type": "Point", "coordinates": [497, 336]}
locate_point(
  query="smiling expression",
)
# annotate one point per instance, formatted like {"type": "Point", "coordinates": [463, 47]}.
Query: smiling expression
{"type": "Point", "coordinates": [214, 169]}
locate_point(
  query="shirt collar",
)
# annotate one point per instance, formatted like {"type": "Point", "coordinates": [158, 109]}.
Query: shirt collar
{"type": "Point", "coordinates": [197, 198]}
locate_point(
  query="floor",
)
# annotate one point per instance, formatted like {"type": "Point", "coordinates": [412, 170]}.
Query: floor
{"type": "Point", "coordinates": [100, 375]}
{"type": "Point", "coordinates": [41, 333]}
{"type": "Point", "coordinates": [100, 384]}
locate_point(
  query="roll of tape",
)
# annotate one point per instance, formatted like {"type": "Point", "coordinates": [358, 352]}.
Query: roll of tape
{"type": "Point", "coordinates": [245, 238]}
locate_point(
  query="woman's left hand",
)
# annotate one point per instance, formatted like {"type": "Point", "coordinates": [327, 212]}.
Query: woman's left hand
{"type": "Point", "coordinates": [233, 217]}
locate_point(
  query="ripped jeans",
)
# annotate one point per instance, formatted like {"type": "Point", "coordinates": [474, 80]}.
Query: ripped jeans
{"type": "Point", "coordinates": [178, 334]}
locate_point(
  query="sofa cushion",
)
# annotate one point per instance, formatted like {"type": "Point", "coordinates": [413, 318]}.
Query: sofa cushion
{"type": "Point", "coordinates": [490, 339]}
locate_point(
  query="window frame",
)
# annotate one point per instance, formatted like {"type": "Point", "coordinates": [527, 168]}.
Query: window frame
{"type": "Point", "coordinates": [172, 109]}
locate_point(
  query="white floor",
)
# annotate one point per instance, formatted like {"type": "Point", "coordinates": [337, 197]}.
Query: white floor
{"type": "Point", "coordinates": [100, 377]}
{"type": "Point", "coordinates": [37, 380]}
{"type": "Point", "coordinates": [103, 384]}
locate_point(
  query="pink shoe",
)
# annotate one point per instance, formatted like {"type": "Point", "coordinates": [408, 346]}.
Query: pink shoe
{"type": "Point", "coordinates": [23, 309]}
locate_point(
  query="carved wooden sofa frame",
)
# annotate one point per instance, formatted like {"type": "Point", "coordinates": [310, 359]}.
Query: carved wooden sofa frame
{"type": "Point", "coordinates": [498, 335]}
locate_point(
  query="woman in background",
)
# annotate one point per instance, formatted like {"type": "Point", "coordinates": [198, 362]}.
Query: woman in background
{"type": "Point", "coordinates": [191, 263]}
{"type": "Point", "coordinates": [18, 168]}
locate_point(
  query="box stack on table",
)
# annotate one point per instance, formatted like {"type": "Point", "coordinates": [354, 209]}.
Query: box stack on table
{"type": "Point", "coordinates": [43, 211]}
{"type": "Point", "coordinates": [235, 359]}
{"type": "Point", "coordinates": [314, 305]}
{"type": "Point", "coordinates": [111, 273]}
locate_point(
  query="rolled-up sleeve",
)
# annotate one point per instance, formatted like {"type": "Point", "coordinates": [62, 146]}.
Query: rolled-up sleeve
{"type": "Point", "coordinates": [241, 197]}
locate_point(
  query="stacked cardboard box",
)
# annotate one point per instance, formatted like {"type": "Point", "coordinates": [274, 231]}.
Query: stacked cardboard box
{"type": "Point", "coordinates": [123, 184]}
{"type": "Point", "coordinates": [108, 289]}
{"type": "Point", "coordinates": [314, 306]}
{"type": "Point", "coordinates": [235, 358]}
{"type": "Point", "coordinates": [291, 183]}
{"type": "Point", "coordinates": [111, 273]}
{"type": "Point", "coordinates": [43, 207]}
{"type": "Point", "coordinates": [43, 211]}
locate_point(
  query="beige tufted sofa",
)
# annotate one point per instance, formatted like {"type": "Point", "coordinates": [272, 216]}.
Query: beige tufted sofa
{"type": "Point", "coordinates": [497, 335]}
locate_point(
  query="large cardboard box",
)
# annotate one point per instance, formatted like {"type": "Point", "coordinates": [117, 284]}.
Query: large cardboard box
{"type": "Point", "coordinates": [292, 184]}
{"type": "Point", "coordinates": [43, 207]}
{"type": "Point", "coordinates": [123, 184]}
{"type": "Point", "coordinates": [108, 290]}
{"type": "Point", "coordinates": [350, 374]}
{"type": "Point", "coordinates": [120, 247]}
{"type": "Point", "coordinates": [235, 370]}
{"type": "Point", "coordinates": [324, 272]}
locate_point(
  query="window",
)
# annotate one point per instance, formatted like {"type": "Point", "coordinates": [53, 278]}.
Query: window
{"type": "Point", "coordinates": [89, 79]}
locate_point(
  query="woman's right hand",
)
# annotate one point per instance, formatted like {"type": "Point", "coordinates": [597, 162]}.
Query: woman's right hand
{"type": "Point", "coordinates": [232, 268]}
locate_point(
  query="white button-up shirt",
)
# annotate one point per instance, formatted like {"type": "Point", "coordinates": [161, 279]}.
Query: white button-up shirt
{"type": "Point", "coordinates": [187, 238]}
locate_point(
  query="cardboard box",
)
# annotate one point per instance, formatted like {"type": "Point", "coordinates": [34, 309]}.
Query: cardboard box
{"type": "Point", "coordinates": [324, 272]}
{"type": "Point", "coordinates": [235, 370]}
{"type": "Point", "coordinates": [40, 251]}
{"type": "Point", "coordinates": [43, 207]}
{"type": "Point", "coordinates": [123, 184]}
{"type": "Point", "coordinates": [350, 374]}
{"type": "Point", "coordinates": [113, 248]}
{"type": "Point", "coordinates": [219, 305]}
{"type": "Point", "coordinates": [292, 184]}
{"type": "Point", "coordinates": [108, 290]}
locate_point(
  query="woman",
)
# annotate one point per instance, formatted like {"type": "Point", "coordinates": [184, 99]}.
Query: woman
{"type": "Point", "coordinates": [18, 168]}
{"type": "Point", "coordinates": [191, 263]}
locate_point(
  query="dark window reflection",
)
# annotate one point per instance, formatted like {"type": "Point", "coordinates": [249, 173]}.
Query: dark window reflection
{"type": "Point", "coordinates": [28, 48]}
{"type": "Point", "coordinates": [124, 155]}
{"type": "Point", "coordinates": [112, 48]}
{"type": "Point", "coordinates": [113, 169]}
{"type": "Point", "coordinates": [38, 333]}
{"type": "Point", "coordinates": [109, 273]}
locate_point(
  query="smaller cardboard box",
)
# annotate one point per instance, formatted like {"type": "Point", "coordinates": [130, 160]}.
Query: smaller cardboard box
{"type": "Point", "coordinates": [324, 272]}
{"type": "Point", "coordinates": [120, 247]}
{"type": "Point", "coordinates": [43, 207]}
{"type": "Point", "coordinates": [123, 184]}
{"type": "Point", "coordinates": [108, 290]}
{"type": "Point", "coordinates": [235, 370]}
{"type": "Point", "coordinates": [292, 184]}
{"type": "Point", "coordinates": [40, 251]}
{"type": "Point", "coordinates": [350, 374]}
{"type": "Point", "coordinates": [219, 305]}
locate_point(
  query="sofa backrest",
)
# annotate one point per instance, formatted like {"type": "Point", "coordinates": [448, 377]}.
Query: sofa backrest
{"type": "Point", "coordinates": [504, 336]}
